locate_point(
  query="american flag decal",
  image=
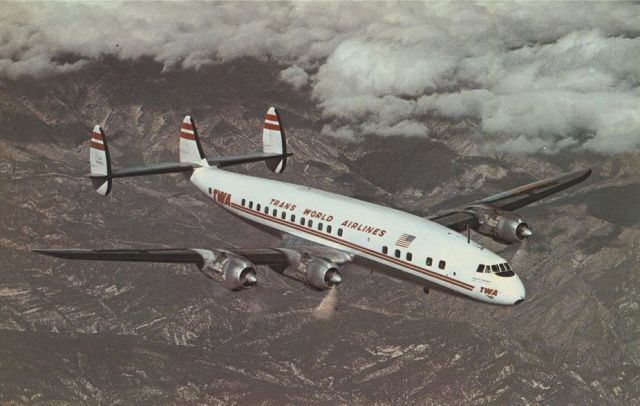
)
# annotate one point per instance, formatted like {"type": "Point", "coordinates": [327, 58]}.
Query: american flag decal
{"type": "Point", "coordinates": [405, 240]}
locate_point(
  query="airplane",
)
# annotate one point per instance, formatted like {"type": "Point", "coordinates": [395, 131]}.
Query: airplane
{"type": "Point", "coordinates": [334, 230]}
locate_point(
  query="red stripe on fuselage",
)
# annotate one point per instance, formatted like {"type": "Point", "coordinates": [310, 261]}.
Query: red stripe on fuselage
{"type": "Point", "coordinates": [357, 247]}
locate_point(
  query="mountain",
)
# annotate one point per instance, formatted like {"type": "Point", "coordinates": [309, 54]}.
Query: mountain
{"type": "Point", "coordinates": [117, 333]}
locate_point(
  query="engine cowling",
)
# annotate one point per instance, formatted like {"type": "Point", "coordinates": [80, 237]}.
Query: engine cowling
{"type": "Point", "coordinates": [322, 274]}
{"type": "Point", "coordinates": [503, 226]}
{"type": "Point", "coordinates": [238, 273]}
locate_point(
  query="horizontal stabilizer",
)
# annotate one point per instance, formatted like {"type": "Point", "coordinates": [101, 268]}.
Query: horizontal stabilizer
{"type": "Point", "coordinates": [102, 174]}
{"type": "Point", "coordinates": [243, 159]}
{"type": "Point", "coordinates": [154, 169]}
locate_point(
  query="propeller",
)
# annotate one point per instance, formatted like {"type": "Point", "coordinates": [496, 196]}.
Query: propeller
{"type": "Point", "coordinates": [327, 307]}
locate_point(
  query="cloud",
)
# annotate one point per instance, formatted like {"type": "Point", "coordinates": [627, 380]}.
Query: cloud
{"type": "Point", "coordinates": [295, 75]}
{"type": "Point", "coordinates": [533, 77]}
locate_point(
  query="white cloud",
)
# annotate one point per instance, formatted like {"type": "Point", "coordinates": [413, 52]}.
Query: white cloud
{"type": "Point", "coordinates": [535, 76]}
{"type": "Point", "coordinates": [295, 75]}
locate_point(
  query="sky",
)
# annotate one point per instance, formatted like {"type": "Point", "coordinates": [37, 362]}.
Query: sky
{"type": "Point", "coordinates": [532, 77]}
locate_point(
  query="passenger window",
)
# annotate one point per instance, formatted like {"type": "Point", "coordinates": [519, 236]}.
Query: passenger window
{"type": "Point", "coordinates": [384, 250]}
{"type": "Point", "coordinates": [310, 223]}
{"type": "Point", "coordinates": [429, 261]}
{"type": "Point", "coordinates": [293, 218]}
{"type": "Point", "coordinates": [251, 205]}
{"type": "Point", "coordinates": [302, 220]}
{"type": "Point", "coordinates": [495, 268]}
{"type": "Point", "coordinates": [480, 268]}
{"type": "Point", "coordinates": [266, 209]}
{"type": "Point", "coordinates": [258, 207]}
{"type": "Point", "coordinates": [409, 256]}
{"type": "Point", "coordinates": [284, 215]}
{"type": "Point", "coordinates": [442, 264]}
{"type": "Point", "coordinates": [329, 229]}
{"type": "Point", "coordinates": [397, 253]}
{"type": "Point", "coordinates": [320, 226]}
{"type": "Point", "coordinates": [243, 202]}
{"type": "Point", "coordinates": [339, 232]}
{"type": "Point", "coordinates": [209, 190]}
{"type": "Point", "coordinates": [275, 213]}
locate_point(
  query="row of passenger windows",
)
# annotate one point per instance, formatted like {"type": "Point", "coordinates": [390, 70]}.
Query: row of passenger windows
{"type": "Point", "coordinates": [493, 268]}
{"type": "Point", "coordinates": [292, 218]}
{"type": "Point", "coordinates": [409, 257]}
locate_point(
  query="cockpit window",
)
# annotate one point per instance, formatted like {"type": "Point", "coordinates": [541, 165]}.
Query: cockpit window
{"type": "Point", "coordinates": [499, 269]}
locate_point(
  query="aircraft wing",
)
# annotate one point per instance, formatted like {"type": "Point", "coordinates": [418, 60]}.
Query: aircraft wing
{"type": "Point", "coordinates": [194, 256]}
{"type": "Point", "coordinates": [460, 218]}
{"type": "Point", "coordinates": [234, 267]}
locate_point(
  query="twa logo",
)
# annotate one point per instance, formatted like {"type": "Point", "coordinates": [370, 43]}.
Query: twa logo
{"type": "Point", "coordinates": [488, 291]}
{"type": "Point", "coordinates": [222, 197]}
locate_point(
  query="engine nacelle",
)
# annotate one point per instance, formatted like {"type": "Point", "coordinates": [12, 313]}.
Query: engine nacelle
{"type": "Point", "coordinates": [502, 226]}
{"type": "Point", "coordinates": [238, 273]}
{"type": "Point", "coordinates": [322, 274]}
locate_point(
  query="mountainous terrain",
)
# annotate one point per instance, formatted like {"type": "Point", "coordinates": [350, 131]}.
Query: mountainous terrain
{"type": "Point", "coordinates": [116, 333]}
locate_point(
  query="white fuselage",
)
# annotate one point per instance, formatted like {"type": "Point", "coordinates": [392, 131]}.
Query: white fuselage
{"type": "Point", "coordinates": [435, 256]}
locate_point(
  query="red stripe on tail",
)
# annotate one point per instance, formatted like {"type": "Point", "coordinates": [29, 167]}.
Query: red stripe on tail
{"type": "Point", "coordinates": [97, 136]}
{"type": "Point", "coordinates": [188, 136]}
{"type": "Point", "coordinates": [271, 117]}
{"type": "Point", "coordinates": [97, 146]}
{"type": "Point", "coordinates": [274, 127]}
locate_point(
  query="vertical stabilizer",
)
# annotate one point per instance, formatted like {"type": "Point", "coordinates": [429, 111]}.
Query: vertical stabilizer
{"type": "Point", "coordinates": [273, 141]}
{"type": "Point", "coordinates": [190, 147]}
{"type": "Point", "coordinates": [100, 161]}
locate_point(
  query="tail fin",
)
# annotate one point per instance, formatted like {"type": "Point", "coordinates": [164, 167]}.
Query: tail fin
{"type": "Point", "coordinates": [100, 162]}
{"type": "Point", "coordinates": [273, 141]}
{"type": "Point", "coordinates": [190, 147]}
{"type": "Point", "coordinates": [102, 175]}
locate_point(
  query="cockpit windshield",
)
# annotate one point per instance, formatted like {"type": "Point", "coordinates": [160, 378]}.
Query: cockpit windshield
{"type": "Point", "coordinates": [499, 269]}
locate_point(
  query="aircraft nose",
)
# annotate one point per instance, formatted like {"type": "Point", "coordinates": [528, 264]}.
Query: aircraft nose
{"type": "Point", "coordinates": [519, 291]}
